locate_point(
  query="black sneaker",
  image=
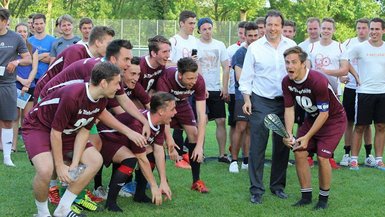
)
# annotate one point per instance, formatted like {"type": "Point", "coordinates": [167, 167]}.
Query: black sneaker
{"type": "Point", "coordinates": [224, 159]}
{"type": "Point", "coordinates": [302, 202]}
{"type": "Point", "coordinates": [320, 205]}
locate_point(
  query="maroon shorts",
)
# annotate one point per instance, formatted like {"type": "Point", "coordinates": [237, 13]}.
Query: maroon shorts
{"type": "Point", "coordinates": [325, 141]}
{"type": "Point", "coordinates": [109, 149]}
{"type": "Point", "coordinates": [39, 141]}
{"type": "Point", "coordinates": [184, 115]}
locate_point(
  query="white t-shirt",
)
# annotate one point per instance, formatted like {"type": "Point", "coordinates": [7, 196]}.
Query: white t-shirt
{"type": "Point", "coordinates": [231, 51]}
{"type": "Point", "coordinates": [304, 45]}
{"type": "Point", "coordinates": [327, 57]}
{"type": "Point", "coordinates": [371, 67]}
{"type": "Point", "coordinates": [210, 57]}
{"type": "Point", "coordinates": [349, 44]}
{"type": "Point", "coordinates": [181, 47]}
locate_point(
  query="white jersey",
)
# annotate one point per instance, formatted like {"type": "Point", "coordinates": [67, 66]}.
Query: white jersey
{"type": "Point", "coordinates": [210, 57]}
{"type": "Point", "coordinates": [181, 47]}
{"type": "Point", "coordinates": [327, 57]}
{"type": "Point", "coordinates": [230, 52]}
{"type": "Point", "coordinates": [304, 45]}
{"type": "Point", "coordinates": [349, 44]}
{"type": "Point", "coordinates": [371, 67]}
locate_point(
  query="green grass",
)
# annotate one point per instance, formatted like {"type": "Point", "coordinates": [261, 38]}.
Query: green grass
{"type": "Point", "coordinates": [353, 193]}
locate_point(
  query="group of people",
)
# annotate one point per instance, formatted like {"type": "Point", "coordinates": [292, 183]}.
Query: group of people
{"type": "Point", "coordinates": [92, 104]}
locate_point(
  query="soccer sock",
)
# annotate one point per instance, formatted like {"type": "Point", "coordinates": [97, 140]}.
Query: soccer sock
{"type": "Point", "coordinates": [141, 182]}
{"type": "Point", "coordinates": [246, 160]}
{"type": "Point", "coordinates": [323, 195]}
{"type": "Point", "coordinates": [66, 201]}
{"type": "Point", "coordinates": [195, 166]}
{"type": "Point", "coordinates": [368, 149]}
{"type": "Point", "coordinates": [42, 208]}
{"type": "Point", "coordinates": [306, 193]}
{"type": "Point", "coordinates": [53, 183]}
{"type": "Point", "coordinates": [7, 135]}
{"type": "Point", "coordinates": [177, 135]}
{"type": "Point", "coordinates": [98, 178]}
{"type": "Point", "coordinates": [118, 179]}
{"type": "Point", "coordinates": [378, 159]}
{"type": "Point", "coordinates": [233, 160]}
{"type": "Point", "coordinates": [347, 149]}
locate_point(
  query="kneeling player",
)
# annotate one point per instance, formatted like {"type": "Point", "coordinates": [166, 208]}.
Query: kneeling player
{"type": "Point", "coordinates": [59, 125]}
{"type": "Point", "coordinates": [323, 126]}
{"type": "Point", "coordinates": [116, 149]}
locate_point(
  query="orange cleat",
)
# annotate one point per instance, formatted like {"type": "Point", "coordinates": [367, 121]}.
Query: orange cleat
{"type": "Point", "coordinates": [310, 161]}
{"type": "Point", "coordinates": [333, 164]}
{"type": "Point", "coordinates": [199, 186]}
{"type": "Point", "coordinates": [186, 158]}
{"type": "Point", "coordinates": [53, 195]}
{"type": "Point", "coordinates": [94, 198]}
{"type": "Point", "coordinates": [183, 164]}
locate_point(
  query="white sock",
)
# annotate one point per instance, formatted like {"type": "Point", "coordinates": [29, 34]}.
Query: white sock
{"type": "Point", "coordinates": [42, 208]}
{"type": "Point", "coordinates": [7, 136]}
{"type": "Point", "coordinates": [354, 158]}
{"type": "Point", "coordinates": [53, 183]}
{"type": "Point", "coordinates": [378, 159]}
{"type": "Point", "coordinates": [64, 206]}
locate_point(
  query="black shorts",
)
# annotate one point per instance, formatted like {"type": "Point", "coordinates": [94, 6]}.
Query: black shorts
{"type": "Point", "coordinates": [370, 107]}
{"type": "Point", "coordinates": [230, 109]}
{"type": "Point", "coordinates": [238, 113]}
{"type": "Point", "coordinates": [349, 103]}
{"type": "Point", "coordinates": [215, 106]}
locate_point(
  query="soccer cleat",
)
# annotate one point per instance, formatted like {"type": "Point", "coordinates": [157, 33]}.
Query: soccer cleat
{"type": "Point", "coordinates": [302, 202]}
{"type": "Point", "coordinates": [93, 197]}
{"type": "Point", "coordinates": [53, 195]}
{"type": "Point", "coordinates": [186, 158]}
{"type": "Point", "coordinates": [183, 165]}
{"type": "Point", "coordinates": [310, 161]}
{"type": "Point", "coordinates": [74, 214]}
{"type": "Point", "coordinates": [345, 160]}
{"type": "Point", "coordinates": [87, 203]}
{"type": "Point", "coordinates": [223, 159]}
{"type": "Point", "coordinates": [354, 165]}
{"type": "Point", "coordinates": [199, 186]}
{"type": "Point", "coordinates": [333, 164]}
{"type": "Point", "coordinates": [370, 161]}
{"type": "Point", "coordinates": [233, 168]}
{"type": "Point", "coordinates": [101, 192]}
{"type": "Point", "coordinates": [320, 205]}
{"type": "Point", "coordinates": [76, 209]}
{"type": "Point", "coordinates": [244, 166]}
{"type": "Point", "coordinates": [8, 162]}
{"type": "Point", "coordinates": [380, 165]}
{"type": "Point", "coordinates": [128, 190]}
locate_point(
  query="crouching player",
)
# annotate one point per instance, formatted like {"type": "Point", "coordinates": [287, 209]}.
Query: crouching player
{"type": "Point", "coordinates": [323, 127]}
{"type": "Point", "coordinates": [59, 125]}
{"type": "Point", "coordinates": [119, 150]}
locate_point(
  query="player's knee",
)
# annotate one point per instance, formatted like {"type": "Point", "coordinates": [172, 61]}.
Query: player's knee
{"type": "Point", "coordinates": [93, 159]}
{"type": "Point", "coordinates": [44, 173]}
{"type": "Point", "coordinates": [220, 121]}
{"type": "Point", "coordinates": [380, 128]}
{"type": "Point", "coordinates": [322, 160]}
{"type": "Point", "coordinates": [359, 129]}
{"type": "Point", "coordinates": [7, 124]}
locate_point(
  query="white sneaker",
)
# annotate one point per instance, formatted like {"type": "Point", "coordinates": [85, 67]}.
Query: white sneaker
{"type": "Point", "coordinates": [233, 168]}
{"type": "Point", "coordinates": [101, 192]}
{"type": "Point", "coordinates": [8, 162]}
{"type": "Point", "coordinates": [244, 166]}
{"type": "Point", "coordinates": [370, 161]}
{"type": "Point", "coordinates": [345, 160]}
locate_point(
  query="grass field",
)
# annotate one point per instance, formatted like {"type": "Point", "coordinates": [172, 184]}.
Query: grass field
{"type": "Point", "coordinates": [353, 193]}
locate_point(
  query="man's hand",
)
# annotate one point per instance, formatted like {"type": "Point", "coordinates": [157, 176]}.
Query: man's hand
{"type": "Point", "coordinates": [62, 173]}
{"type": "Point", "coordinates": [344, 79]}
{"type": "Point", "coordinates": [12, 66]}
{"type": "Point", "coordinates": [197, 154]}
{"type": "Point", "coordinates": [146, 131]}
{"type": "Point", "coordinates": [172, 153]}
{"type": "Point", "coordinates": [156, 195]}
{"type": "Point", "coordinates": [165, 189]}
{"type": "Point", "coordinates": [289, 142]}
{"type": "Point", "coordinates": [225, 94]}
{"type": "Point", "coordinates": [247, 108]}
{"type": "Point", "coordinates": [138, 139]}
{"type": "Point", "coordinates": [301, 143]}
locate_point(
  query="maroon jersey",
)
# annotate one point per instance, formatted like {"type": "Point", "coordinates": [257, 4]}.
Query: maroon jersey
{"type": "Point", "coordinates": [148, 75]}
{"type": "Point", "coordinates": [169, 82]}
{"type": "Point", "coordinates": [67, 57]}
{"type": "Point", "coordinates": [314, 94]}
{"type": "Point", "coordinates": [137, 93]}
{"type": "Point", "coordinates": [109, 135]}
{"type": "Point", "coordinates": [65, 110]}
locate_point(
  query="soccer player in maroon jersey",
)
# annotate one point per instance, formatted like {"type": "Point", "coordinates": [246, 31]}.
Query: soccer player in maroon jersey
{"type": "Point", "coordinates": [152, 65]}
{"type": "Point", "coordinates": [100, 37]}
{"type": "Point", "coordinates": [121, 151]}
{"type": "Point", "coordinates": [322, 129]}
{"type": "Point", "coordinates": [56, 133]}
{"type": "Point", "coordinates": [184, 82]}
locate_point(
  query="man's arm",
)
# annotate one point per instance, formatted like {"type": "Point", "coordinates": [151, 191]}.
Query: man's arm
{"type": "Point", "coordinates": [79, 146]}
{"type": "Point", "coordinates": [25, 60]}
{"type": "Point", "coordinates": [247, 104]}
{"type": "Point", "coordinates": [131, 109]}
{"type": "Point", "coordinates": [201, 116]}
{"type": "Point", "coordinates": [341, 71]}
{"type": "Point", "coordinates": [225, 80]}
{"type": "Point", "coordinates": [110, 121]}
{"type": "Point", "coordinates": [57, 153]}
{"type": "Point", "coordinates": [161, 166]}
{"type": "Point", "coordinates": [44, 57]}
{"type": "Point", "coordinates": [289, 123]}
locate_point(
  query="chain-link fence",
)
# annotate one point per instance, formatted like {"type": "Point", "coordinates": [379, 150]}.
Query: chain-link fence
{"type": "Point", "coordinates": [138, 31]}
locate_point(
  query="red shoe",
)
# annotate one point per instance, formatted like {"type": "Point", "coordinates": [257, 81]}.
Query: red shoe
{"type": "Point", "coordinates": [310, 161]}
{"type": "Point", "coordinates": [199, 186]}
{"type": "Point", "coordinates": [53, 195]}
{"type": "Point", "coordinates": [186, 158]}
{"type": "Point", "coordinates": [183, 165]}
{"type": "Point", "coordinates": [93, 197]}
{"type": "Point", "coordinates": [333, 164]}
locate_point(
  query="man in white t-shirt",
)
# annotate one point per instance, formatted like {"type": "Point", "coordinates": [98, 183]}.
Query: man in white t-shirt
{"type": "Point", "coordinates": [329, 57]}
{"type": "Point", "coordinates": [370, 105]}
{"type": "Point", "coordinates": [349, 98]}
{"type": "Point", "coordinates": [212, 55]}
{"type": "Point", "coordinates": [313, 28]}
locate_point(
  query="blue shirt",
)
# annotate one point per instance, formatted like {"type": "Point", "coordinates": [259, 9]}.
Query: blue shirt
{"type": "Point", "coordinates": [43, 46]}
{"type": "Point", "coordinates": [24, 71]}
{"type": "Point", "coordinates": [237, 60]}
